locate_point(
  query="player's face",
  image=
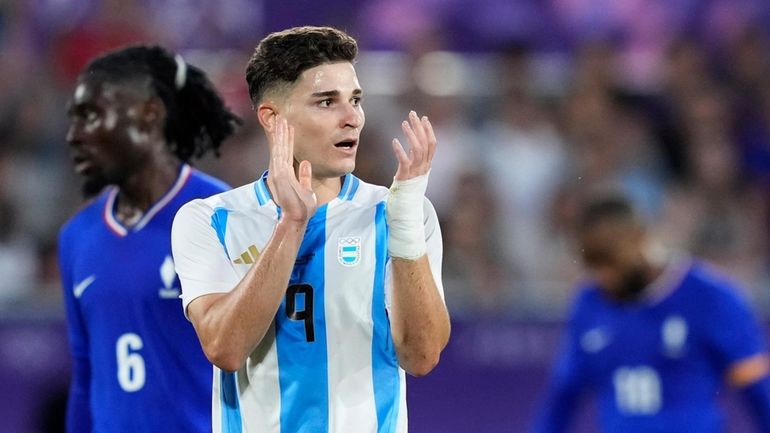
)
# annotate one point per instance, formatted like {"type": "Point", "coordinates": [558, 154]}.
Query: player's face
{"type": "Point", "coordinates": [324, 106]}
{"type": "Point", "coordinates": [613, 255]}
{"type": "Point", "coordinates": [105, 133]}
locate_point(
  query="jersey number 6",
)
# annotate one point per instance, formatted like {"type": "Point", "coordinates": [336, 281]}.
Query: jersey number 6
{"type": "Point", "coordinates": [305, 292]}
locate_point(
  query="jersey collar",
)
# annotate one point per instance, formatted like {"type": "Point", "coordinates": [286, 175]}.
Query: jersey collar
{"type": "Point", "coordinates": [348, 190]}
{"type": "Point", "coordinates": [109, 208]}
{"type": "Point", "coordinates": [669, 280]}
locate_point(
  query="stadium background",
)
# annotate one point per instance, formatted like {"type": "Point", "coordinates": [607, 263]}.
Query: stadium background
{"type": "Point", "coordinates": [535, 103]}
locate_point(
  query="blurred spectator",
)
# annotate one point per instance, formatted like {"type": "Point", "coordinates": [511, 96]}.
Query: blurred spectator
{"type": "Point", "coordinates": [611, 144]}
{"type": "Point", "coordinates": [17, 252]}
{"type": "Point", "coordinates": [716, 213]}
{"type": "Point", "coordinates": [685, 70]}
{"type": "Point", "coordinates": [48, 294]}
{"type": "Point", "coordinates": [749, 75]}
{"type": "Point", "coordinates": [111, 24]}
{"type": "Point", "coordinates": [202, 24]}
{"type": "Point", "coordinates": [477, 280]}
{"type": "Point", "coordinates": [525, 158]}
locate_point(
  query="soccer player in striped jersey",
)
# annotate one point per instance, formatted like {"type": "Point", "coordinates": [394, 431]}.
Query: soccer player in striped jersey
{"type": "Point", "coordinates": [138, 115]}
{"type": "Point", "coordinates": [312, 291]}
{"type": "Point", "coordinates": [654, 335]}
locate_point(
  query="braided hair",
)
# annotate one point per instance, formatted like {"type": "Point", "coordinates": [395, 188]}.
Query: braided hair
{"type": "Point", "coordinates": [197, 120]}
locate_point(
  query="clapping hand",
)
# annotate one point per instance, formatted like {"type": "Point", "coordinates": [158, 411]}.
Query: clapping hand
{"type": "Point", "coordinates": [292, 192]}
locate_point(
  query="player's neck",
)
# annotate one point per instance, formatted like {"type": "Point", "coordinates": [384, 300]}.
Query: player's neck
{"type": "Point", "coordinates": [657, 257]}
{"type": "Point", "coordinates": [326, 189]}
{"type": "Point", "coordinates": [144, 188]}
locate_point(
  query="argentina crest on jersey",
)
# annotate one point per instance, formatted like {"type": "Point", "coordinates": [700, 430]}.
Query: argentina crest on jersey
{"type": "Point", "coordinates": [349, 250]}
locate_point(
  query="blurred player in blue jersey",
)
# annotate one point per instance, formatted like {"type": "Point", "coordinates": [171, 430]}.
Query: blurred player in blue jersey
{"type": "Point", "coordinates": [654, 335]}
{"type": "Point", "coordinates": [138, 115]}
{"type": "Point", "coordinates": [312, 291]}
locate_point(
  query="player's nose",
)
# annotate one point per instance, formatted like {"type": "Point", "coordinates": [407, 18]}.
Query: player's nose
{"type": "Point", "coordinates": [74, 135]}
{"type": "Point", "coordinates": [352, 116]}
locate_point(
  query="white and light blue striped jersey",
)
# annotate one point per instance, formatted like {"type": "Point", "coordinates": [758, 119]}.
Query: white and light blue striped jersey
{"type": "Point", "coordinates": [328, 362]}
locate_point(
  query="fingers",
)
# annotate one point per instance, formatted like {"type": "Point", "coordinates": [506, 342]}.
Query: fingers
{"type": "Point", "coordinates": [422, 146]}
{"type": "Point", "coordinates": [282, 148]}
{"type": "Point", "coordinates": [289, 142]}
{"type": "Point", "coordinates": [281, 158]}
{"type": "Point", "coordinates": [277, 139]}
{"type": "Point", "coordinates": [402, 157]}
{"type": "Point", "coordinates": [305, 174]}
{"type": "Point", "coordinates": [398, 149]}
{"type": "Point", "coordinates": [431, 137]}
{"type": "Point", "coordinates": [417, 126]}
{"type": "Point", "coordinates": [415, 146]}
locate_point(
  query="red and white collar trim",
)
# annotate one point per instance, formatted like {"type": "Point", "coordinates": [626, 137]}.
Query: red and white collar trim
{"type": "Point", "coordinates": [119, 229]}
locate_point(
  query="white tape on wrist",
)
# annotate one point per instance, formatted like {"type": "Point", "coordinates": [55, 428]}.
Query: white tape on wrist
{"type": "Point", "coordinates": [405, 216]}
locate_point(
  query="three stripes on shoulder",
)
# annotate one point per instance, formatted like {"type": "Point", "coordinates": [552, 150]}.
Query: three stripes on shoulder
{"type": "Point", "coordinates": [248, 257]}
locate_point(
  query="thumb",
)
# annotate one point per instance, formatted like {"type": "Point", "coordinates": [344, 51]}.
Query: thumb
{"type": "Point", "coordinates": [305, 174]}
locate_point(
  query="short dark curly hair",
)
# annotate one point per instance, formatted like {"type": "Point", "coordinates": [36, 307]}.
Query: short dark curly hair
{"type": "Point", "coordinates": [281, 57]}
{"type": "Point", "coordinates": [603, 206]}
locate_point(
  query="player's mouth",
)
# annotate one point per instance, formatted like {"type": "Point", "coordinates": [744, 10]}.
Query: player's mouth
{"type": "Point", "coordinates": [347, 146]}
{"type": "Point", "coordinates": [82, 164]}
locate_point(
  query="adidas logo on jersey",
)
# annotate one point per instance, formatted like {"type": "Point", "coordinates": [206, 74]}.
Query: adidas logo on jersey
{"type": "Point", "coordinates": [248, 257]}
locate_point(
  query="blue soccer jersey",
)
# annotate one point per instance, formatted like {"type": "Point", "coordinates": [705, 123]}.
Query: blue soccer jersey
{"type": "Point", "coordinates": [656, 365]}
{"type": "Point", "coordinates": [328, 362]}
{"type": "Point", "coordinates": [137, 363]}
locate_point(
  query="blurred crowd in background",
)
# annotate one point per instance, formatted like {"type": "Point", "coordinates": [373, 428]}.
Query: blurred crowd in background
{"type": "Point", "coordinates": [535, 103]}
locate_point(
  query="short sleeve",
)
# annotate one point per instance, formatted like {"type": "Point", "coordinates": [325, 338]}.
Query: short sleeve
{"type": "Point", "coordinates": [733, 330]}
{"type": "Point", "coordinates": [200, 255]}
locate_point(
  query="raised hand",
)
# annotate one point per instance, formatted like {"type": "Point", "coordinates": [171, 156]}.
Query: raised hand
{"type": "Point", "coordinates": [291, 192]}
{"type": "Point", "coordinates": [422, 147]}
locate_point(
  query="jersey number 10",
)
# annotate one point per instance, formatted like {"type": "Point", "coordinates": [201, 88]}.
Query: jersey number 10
{"type": "Point", "coordinates": [637, 390]}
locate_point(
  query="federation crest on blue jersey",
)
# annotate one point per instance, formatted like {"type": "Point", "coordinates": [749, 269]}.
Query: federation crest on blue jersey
{"type": "Point", "coordinates": [595, 340]}
{"type": "Point", "coordinates": [674, 336]}
{"type": "Point", "coordinates": [349, 250]}
{"type": "Point", "coordinates": [168, 276]}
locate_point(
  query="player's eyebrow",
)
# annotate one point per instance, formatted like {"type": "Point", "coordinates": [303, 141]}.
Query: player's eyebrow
{"type": "Point", "coordinates": [326, 94]}
{"type": "Point", "coordinates": [73, 107]}
{"type": "Point", "coordinates": [334, 93]}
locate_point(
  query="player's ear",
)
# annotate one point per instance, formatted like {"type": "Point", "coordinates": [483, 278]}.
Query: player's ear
{"type": "Point", "coordinates": [266, 112]}
{"type": "Point", "coordinates": [153, 113]}
{"type": "Point", "coordinates": [638, 233]}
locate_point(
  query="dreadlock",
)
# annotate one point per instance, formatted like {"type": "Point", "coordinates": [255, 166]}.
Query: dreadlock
{"type": "Point", "coordinates": [197, 120]}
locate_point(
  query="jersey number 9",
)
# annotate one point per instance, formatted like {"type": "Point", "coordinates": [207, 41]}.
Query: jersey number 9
{"type": "Point", "coordinates": [305, 293]}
